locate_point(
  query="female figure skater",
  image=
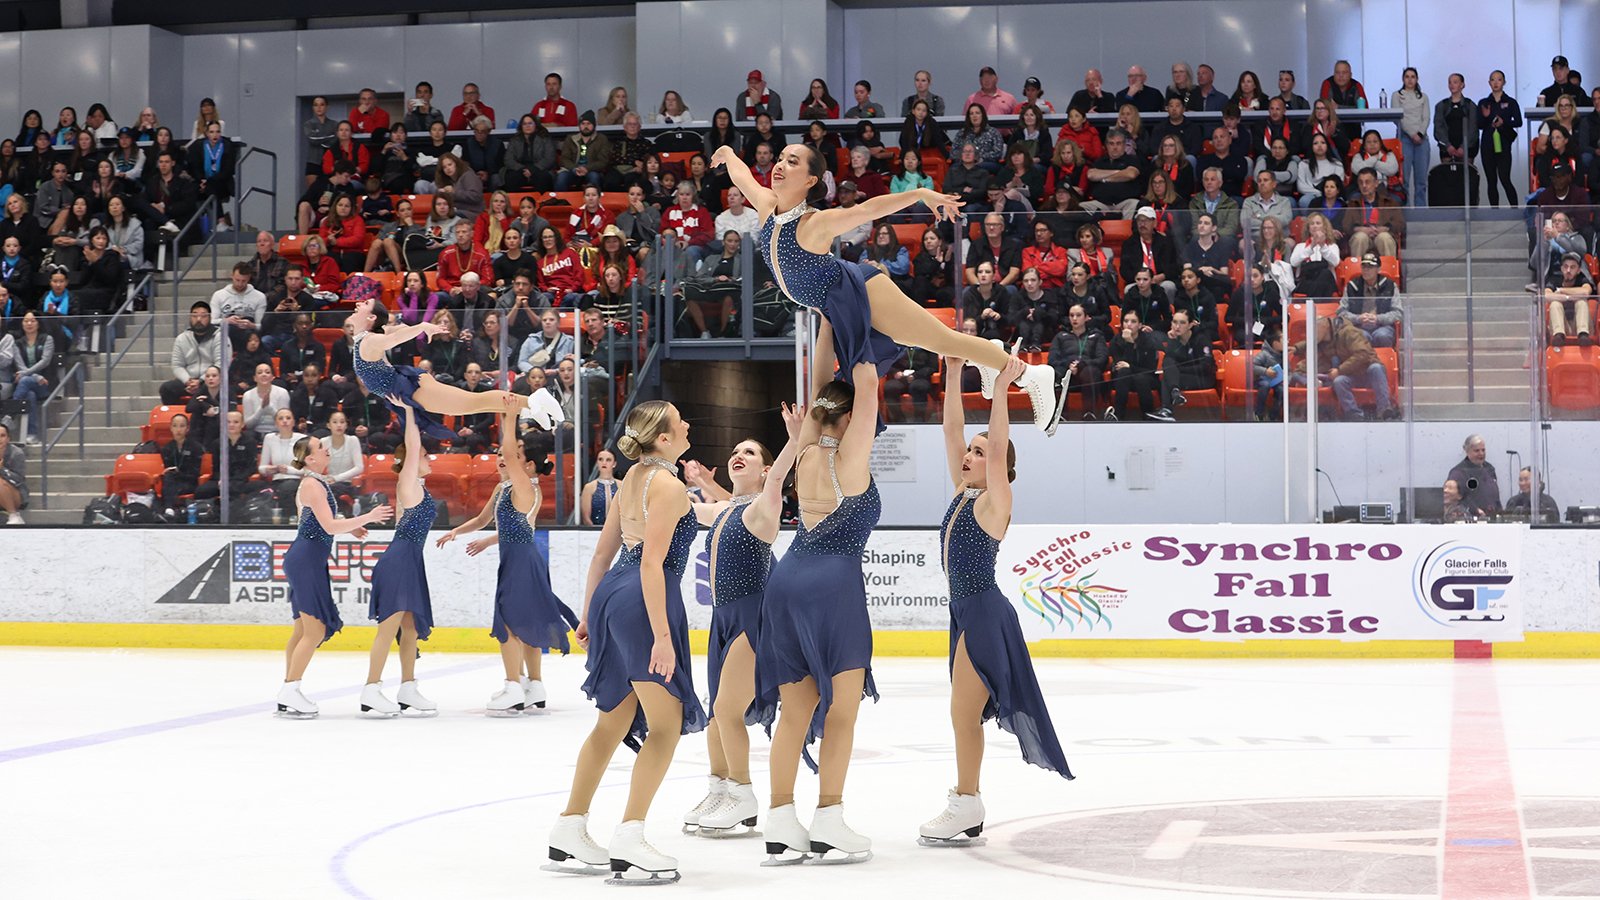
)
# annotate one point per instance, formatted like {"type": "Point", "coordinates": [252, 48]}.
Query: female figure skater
{"type": "Point", "coordinates": [815, 652]}
{"type": "Point", "coordinates": [599, 494]}
{"type": "Point", "coordinates": [638, 638]}
{"type": "Point", "coordinates": [870, 315]}
{"type": "Point", "coordinates": [991, 676]}
{"type": "Point", "coordinates": [400, 601]}
{"type": "Point", "coordinates": [528, 617]}
{"type": "Point", "coordinates": [414, 387]}
{"type": "Point", "coordinates": [740, 549]}
{"type": "Point", "coordinates": [305, 565]}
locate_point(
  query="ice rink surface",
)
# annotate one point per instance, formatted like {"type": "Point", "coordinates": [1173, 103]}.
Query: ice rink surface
{"type": "Point", "coordinates": [143, 773]}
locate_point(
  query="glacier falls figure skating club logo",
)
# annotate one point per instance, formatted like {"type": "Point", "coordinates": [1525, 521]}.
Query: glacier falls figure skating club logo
{"type": "Point", "coordinates": [1069, 601]}
{"type": "Point", "coordinates": [1458, 584]}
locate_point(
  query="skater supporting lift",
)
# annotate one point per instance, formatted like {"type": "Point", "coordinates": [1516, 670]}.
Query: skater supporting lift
{"type": "Point", "coordinates": [638, 640]}
{"type": "Point", "coordinates": [815, 653]}
{"type": "Point", "coordinates": [528, 617]}
{"type": "Point", "coordinates": [400, 601]}
{"type": "Point", "coordinates": [414, 387]}
{"type": "Point", "coordinates": [305, 565]}
{"type": "Point", "coordinates": [739, 547]}
{"type": "Point", "coordinates": [991, 675]}
{"type": "Point", "coordinates": [869, 314]}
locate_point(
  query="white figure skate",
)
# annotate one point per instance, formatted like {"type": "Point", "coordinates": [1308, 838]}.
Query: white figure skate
{"type": "Point", "coordinates": [717, 788]}
{"type": "Point", "coordinates": [635, 862]}
{"type": "Point", "coordinates": [830, 835]}
{"type": "Point", "coordinates": [292, 704]}
{"type": "Point", "coordinates": [506, 702]}
{"type": "Point", "coordinates": [573, 851]}
{"type": "Point", "coordinates": [735, 816]}
{"type": "Point", "coordinates": [788, 842]}
{"type": "Point", "coordinates": [959, 825]}
{"type": "Point", "coordinates": [412, 703]}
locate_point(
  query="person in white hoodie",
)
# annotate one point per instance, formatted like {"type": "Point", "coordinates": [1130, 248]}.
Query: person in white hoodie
{"type": "Point", "coordinates": [1416, 151]}
{"type": "Point", "coordinates": [193, 352]}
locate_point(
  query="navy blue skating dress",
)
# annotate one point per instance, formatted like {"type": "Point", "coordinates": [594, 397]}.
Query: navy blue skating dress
{"type": "Point", "coordinates": [814, 618]}
{"type": "Point", "coordinates": [524, 604]}
{"type": "Point", "coordinates": [831, 286]}
{"type": "Point", "coordinates": [305, 567]}
{"type": "Point", "coordinates": [620, 637]}
{"type": "Point", "coordinates": [740, 562]}
{"type": "Point", "coordinates": [383, 379]}
{"type": "Point", "coordinates": [399, 579]}
{"type": "Point", "coordinates": [995, 646]}
{"type": "Point", "coordinates": [605, 491]}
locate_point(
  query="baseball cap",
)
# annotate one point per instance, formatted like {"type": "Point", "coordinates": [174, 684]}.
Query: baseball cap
{"type": "Point", "coordinates": [755, 75]}
{"type": "Point", "coordinates": [1369, 259]}
{"type": "Point", "coordinates": [1145, 212]}
{"type": "Point", "coordinates": [588, 116]}
{"type": "Point", "coordinates": [1558, 61]}
{"type": "Point", "coordinates": [1572, 256]}
{"type": "Point", "coordinates": [1560, 168]}
{"type": "Point", "coordinates": [847, 186]}
{"type": "Point", "coordinates": [1032, 82]}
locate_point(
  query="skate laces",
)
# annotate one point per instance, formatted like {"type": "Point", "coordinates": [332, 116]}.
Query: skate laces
{"type": "Point", "coordinates": [709, 803]}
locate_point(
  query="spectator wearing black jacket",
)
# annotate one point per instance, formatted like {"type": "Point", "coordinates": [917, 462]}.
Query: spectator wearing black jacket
{"type": "Point", "coordinates": [1134, 352]}
{"type": "Point", "coordinates": [1232, 161]}
{"type": "Point", "coordinates": [1146, 298]}
{"type": "Point", "coordinates": [170, 196]}
{"type": "Point", "coordinates": [313, 401]}
{"type": "Point", "coordinates": [933, 272]}
{"type": "Point", "coordinates": [1258, 295]}
{"type": "Point", "coordinates": [1081, 350]}
{"type": "Point", "coordinates": [205, 409]}
{"type": "Point", "coordinates": [369, 416]}
{"type": "Point", "coordinates": [993, 304]}
{"type": "Point", "coordinates": [1092, 294]}
{"type": "Point", "coordinates": [993, 247]}
{"type": "Point", "coordinates": [19, 223]}
{"type": "Point", "coordinates": [968, 180]}
{"type": "Point", "coordinates": [911, 374]}
{"type": "Point", "coordinates": [1198, 302]}
{"type": "Point", "coordinates": [244, 457]}
{"type": "Point", "coordinates": [475, 431]}
{"type": "Point", "coordinates": [1178, 125]}
{"type": "Point", "coordinates": [180, 459]}
{"type": "Point", "coordinates": [1037, 313]}
{"type": "Point", "coordinates": [16, 272]}
{"type": "Point", "coordinates": [1149, 249]}
{"type": "Point", "coordinates": [301, 351]}
{"type": "Point", "coordinates": [284, 306]}
{"type": "Point", "coordinates": [1188, 365]}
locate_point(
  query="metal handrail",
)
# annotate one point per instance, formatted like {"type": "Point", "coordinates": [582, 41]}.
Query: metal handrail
{"type": "Point", "coordinates": [211, 205]}
{"type": "Point", "coordinates": [239, 198]}
{"type": "Point", "coordinates": [76, 374]}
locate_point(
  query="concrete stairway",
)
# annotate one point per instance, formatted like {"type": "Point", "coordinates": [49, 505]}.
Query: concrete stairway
{"type": "Point", "coordinates": [1436, 284]}
{"type": "Point", "coordinates": [135, 388]}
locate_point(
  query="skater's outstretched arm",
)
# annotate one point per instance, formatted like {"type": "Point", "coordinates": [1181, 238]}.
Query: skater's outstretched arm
{"type": "Point", "coordinates": [955, 419]}
{"type": "Point", "coordinates": [524, 490]}
{"type": "Point", "coordinates": [761, 517]}
{"type": "Point", "coordinates": [484, 517]}
{"type": "Point", "coordinates": [855, 447]}
{"type": "Point", "coordinates": [314, 496]}
{"type": "Point", "coordinates": [762, 198]}
{"type": "Point", "coordinates": [705, 479]}
{"type": "Point", "coordinates": [408, 487]}
{"type": "Point", "coordinates": [817, 232]}
{"type": "Point", "coordinates": [375, 345]}
{"type": "Point", "coordinates": [997, 496]}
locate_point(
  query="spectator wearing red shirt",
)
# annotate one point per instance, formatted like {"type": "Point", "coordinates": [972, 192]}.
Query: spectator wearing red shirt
{"type": "Point", "coordinates": [869, 183]}
{"type": "Point", "coordinates": [463, 256]}
{"type": "Point", "coordinates": [690, 226]}
{"type": "Point", "coordinates": [345, 233]}
{"type": "Point", "coordinates": [561, 272]}
{"type": "Point", "coordinates": [322, 272]}
{"type": "Point", "coordinates": [1080, 132]}
{"type": "Point", "coordinates": [819, 103]}
{"type": "Point", "coordinates": [1044, 256]}
{"type": "Point", "coordinates": [554, 109]}
{"type": "Point", "coordinates": [590, 219]}
{"type": "Point", "coordinates": [346, 149]}
{"type": "Point", "coordinates": [489, 229]}
{"type": "Point", "coordinates": [366, 117]}
{"type": "Point", "coordinates": [468, 109]}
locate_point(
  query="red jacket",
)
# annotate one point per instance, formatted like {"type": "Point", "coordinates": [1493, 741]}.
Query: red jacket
{"type": "Point", "coordinates": [559, 111]}
{"type": "Point", "coordinates": [1088, 140]}
{"type": "Point", "coordinates": [358, 155]}
{"type": "Point", "coordinates": [590, 224]}
{"type": "Point", "coordinates": [458, 117]}
{"type": "Point", "coordinates": [352, 236]}
{"type": "Point", "coordinates": [1051, 263]}
{"type": "Point", "coordinates": [451, 266]}
{"type": "Point", "coordinates": [325, 275]}
{"type": "Point", "coordinates": [480, 228]}
{"type": "Point", "coordinates": [561, 273]}
{"type": "Point", "coordinates": [695, 224]}
{"type": "Point", "coordinates": [372, 122]}
{"type": "Point", "coordinates": [592, 276]}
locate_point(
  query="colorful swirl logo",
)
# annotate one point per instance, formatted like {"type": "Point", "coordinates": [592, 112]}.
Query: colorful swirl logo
{"type": "Point", "coordinates": [1060, 600]}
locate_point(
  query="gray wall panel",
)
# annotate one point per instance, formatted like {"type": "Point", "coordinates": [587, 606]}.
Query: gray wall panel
{"type": "Point", "coordinates": [66, 68]}
{"type": "Point", "coordinates": [331, 62]}
{"type": "Point", "coordinates": [12, 101]}
{"type": "Point", "coordinates": [658, 30]}
{"type": "Point", "coordinates": [446, 56]}
{"type": "Point", "coordinates": [129, 69]}
{"type": "Point", "coordinates": [268, 116]}
{"type": "Point", "coordinates": [1337, 25]}
{"type": "Point", "coordinates": [606, 59]}
{"type": "Point", "coordinates": [166, 72]}
{"type": "Point", "coordinates": [210, 69]}
{"type": "Point", "coordinates": [508, 71]}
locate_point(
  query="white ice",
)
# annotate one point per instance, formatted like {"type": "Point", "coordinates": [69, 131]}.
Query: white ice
{"type": "Point", "coordinates": [155, 773]}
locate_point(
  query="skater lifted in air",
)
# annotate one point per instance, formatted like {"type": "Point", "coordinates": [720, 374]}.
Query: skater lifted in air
{"type": "Point", "coordinates": [374, 338]}
{"type": "Point", "coordinates": [869, 314]}
{"type": "Point", "coordinates": [991, 674]}
{"type": "Point", "coordinates": [739, 546]}
{"type": "Point", "coordinates": [637, 635]}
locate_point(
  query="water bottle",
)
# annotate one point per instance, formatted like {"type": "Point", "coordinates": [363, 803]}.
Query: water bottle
{"type": "Point", "coordinates": [1383, 98]}
{"type": "Point", "coordinates": [194, 513]}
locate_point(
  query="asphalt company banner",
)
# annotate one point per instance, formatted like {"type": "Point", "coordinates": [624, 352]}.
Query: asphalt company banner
{"type": "Point", "coordinates": [1218, 582]}
{"type": "Point", "coordinates": [1357, 582]}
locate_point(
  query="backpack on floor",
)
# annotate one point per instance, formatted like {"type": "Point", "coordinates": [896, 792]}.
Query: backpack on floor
{"type": "Point", "coordinates": [103, 511]}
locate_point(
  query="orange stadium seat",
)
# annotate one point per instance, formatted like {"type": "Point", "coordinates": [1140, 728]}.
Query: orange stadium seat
{"type": "Point", "coordinates": [292, 247]}
{"type": "Point", "coordinates": [327, 337]}
{"type": "Point", "coordinates": [159, 428]}
{"type": "Point", "coordinates": [448, 481]}
{"type": "Point", "coordinates": [1573, 377]}
{"type": "Point", "coordinates": [483, 476]}
{"type": "Point", "coordinates": [135, 473]}
{"type": "Point", "coordinates": [379, 477]}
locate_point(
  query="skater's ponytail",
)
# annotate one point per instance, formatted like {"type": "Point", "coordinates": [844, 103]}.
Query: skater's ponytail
{"type": "Point", "coordinates": [302, 449]}
{"type": "Point", "coordinates": [833, 403]}
{"type": "Point", "coordinates": [648, 422]}
{"type": "Point", "coordinates": [1011, 452]}
{"type": "Point", "coordinates": [399, 458]}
